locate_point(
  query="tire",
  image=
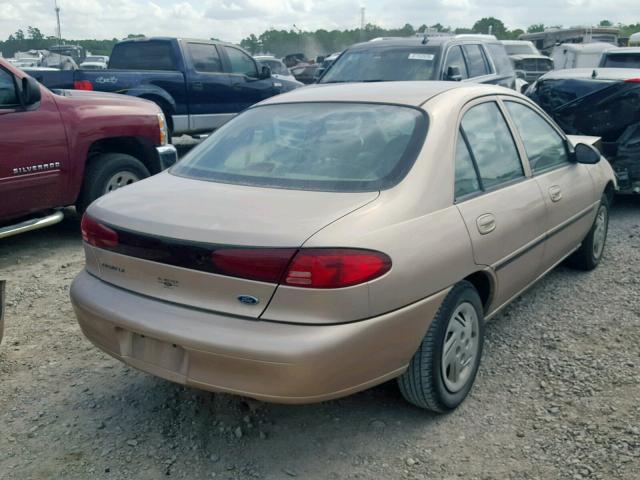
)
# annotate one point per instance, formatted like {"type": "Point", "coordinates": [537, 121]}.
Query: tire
{"type": "Point", "coordinates": [425, 383]}
{"type": "Point", "coordinates": [101, 176]}
{"type": "Point", "coordinates": [588, 256]}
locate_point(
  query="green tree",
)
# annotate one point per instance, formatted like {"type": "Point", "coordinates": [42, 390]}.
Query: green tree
{"type": "Point", "coordinates": [35, 33]}
{"type": "Point", "coordinates": [536, 27]}
{"type": "Point", "coordinates": [251, 43]}
{"type": "Point", "coordinates": [490, 25]}
{"type": "Point", "coordinates": [605, 23]}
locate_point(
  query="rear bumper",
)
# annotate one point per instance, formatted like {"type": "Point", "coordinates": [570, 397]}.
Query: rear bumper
{"type": "Point", "coordinates": [168, 155]}
{"type": "Point", "coordinates": [268, 361]}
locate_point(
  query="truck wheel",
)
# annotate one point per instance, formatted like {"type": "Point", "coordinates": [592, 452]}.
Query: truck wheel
{"type": "Point", "coordinates": [442, 371]}
{"type": "Point", "coordinates": [108, 172]}
{"type": "Point", "coordinates": [588, 256]}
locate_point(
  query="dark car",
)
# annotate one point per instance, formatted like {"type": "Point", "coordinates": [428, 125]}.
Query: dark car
{"type": "Point", "coordinates": [477, 58]}
{"type": "Point", "coordinates": [306, 72]}
{"type": "Point", "coordinates": [605, 103]}
{"type": "Point", "coordinates": [624, 57]}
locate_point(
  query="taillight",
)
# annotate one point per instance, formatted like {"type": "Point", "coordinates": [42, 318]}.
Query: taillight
{"type": "Point", "coordinates": [335, 267]}
{"type": "Point", "coordinates": [632, 80]}
{"type": "Point", "coordinates": [96, 234]}
{"type": "Point", "coordinates": [82, 85]}
{"type": "Point", "coordinates": [260, 264]}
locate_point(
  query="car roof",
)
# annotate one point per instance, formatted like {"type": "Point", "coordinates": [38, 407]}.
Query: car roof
{"type": "Point", "coordinates": [516, 42]}
{"type": "Point", "coordinates": [419, 41]}
{"type": "Point", "coordinates": [587, 73]}
{"type": "Point", "coordinates": [621, 50]}
{"type": "Point", "coordinates": [413, 93]}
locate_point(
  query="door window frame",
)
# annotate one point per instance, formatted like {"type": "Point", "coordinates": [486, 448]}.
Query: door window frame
{"type": "Point", "coordinates": [445, 64]}
{"type": "Point", "coordinates": [520, 142]}
{"type": "Point", "coordinates": [193, 63]}
{"type": "Point", "coordinates": [524, 162]}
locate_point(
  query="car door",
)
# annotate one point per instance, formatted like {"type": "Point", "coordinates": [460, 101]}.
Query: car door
{"type": "Point", "coordinates": [246, 86]}
{"type": "Point", "coordinates": [567, 187]}
{"type": "Point", "coordinates": [34, 168]}
{"type": "Point", "coordinates": [501, 204]}
{"type": "Point", "coordinates": [209, 88]}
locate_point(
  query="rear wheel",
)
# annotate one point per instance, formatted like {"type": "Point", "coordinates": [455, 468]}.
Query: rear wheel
{"type": "Point", "coordinates": [108, 172]}
{"type": "Point", "coordinates": [588, 256]}
{"type": "Point", "coordinates": [442, 371]}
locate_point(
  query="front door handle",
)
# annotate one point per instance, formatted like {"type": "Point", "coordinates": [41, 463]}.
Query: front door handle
{"type": "Point", "coordinates": [486, 223]}
{"type": "Point", "coordinates": [555, 193]}
{"type": "Point", "coordinates": [198, 86]}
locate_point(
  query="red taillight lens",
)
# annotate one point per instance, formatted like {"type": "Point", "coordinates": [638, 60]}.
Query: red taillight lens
{"type": "Point", "coordinates": [632, 80]}
{"type": "Point", "coordinates": [335, 267]}
{"type": "Point", "coordinates": [260, 264]}
{"type": "Point", "coordinates": [97, 234]}
{"type": "Point", "coordinates": [82, 85]}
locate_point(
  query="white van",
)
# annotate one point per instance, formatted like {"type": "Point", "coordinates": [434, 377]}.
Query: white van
{"type": "Point", "coordinates": [578, 55]}
{"type": "Point", "coordinates": [634, 40]}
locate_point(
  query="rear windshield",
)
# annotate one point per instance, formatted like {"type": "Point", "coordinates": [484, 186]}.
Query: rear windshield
{"type": "Point", "coordinates": [384, 65]}
{"type": "Point", "coordinates": [342, 147]}
{"type": "Point", "coordinates": [553, 94]}
{"type": "Point", "coordinates": [622, 60]}
{"type": "Point", "coordinates": [142, 56]}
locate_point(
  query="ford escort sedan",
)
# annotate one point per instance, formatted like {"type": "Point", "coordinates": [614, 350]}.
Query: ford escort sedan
{"type": "Point", "coordinates": [338, 236]}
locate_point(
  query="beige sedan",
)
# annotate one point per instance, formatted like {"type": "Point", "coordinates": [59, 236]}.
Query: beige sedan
{"type": "Point", "coordinates": [339, 236]}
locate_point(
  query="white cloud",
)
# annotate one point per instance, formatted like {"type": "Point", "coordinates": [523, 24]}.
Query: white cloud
{"type": "Point", "coordinates": [233, 20]}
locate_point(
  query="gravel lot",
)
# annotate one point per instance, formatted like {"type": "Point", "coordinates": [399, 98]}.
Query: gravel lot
{"type": "Point", "coordinates": [557, 395]}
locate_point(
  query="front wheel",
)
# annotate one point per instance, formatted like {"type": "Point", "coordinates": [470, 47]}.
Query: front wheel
{"type": "Point", "coordinates": [442, 371]}
{"type": "Point", "coordinates": [108, 172]}
{"type": "Point", "coordinates": [588, 256]}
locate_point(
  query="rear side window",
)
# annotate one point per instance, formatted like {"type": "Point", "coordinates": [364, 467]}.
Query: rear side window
{"type": "Point", "coordinates": [500, 58]}
{"type": "Point", "coordinates": [544, 146]}
{"type": "Point", "coordinates": [205, 57]}
{"type": "Point", "coordinates": [148, 55]}
{"type": "Point", "coordinates": [491, 145]}
{"type": "Point", "coordinates": [345, 147]}
{"type": "Point", "coordinates": [475, 61]}
{"type": "Point", "coordinates": [241, 63]}
{"type": "Point", "coordinates": [466, 175]}
{"type": "Point", "coordinates": [455, 59]}
{"type": "Point", "coordinates": [621, 60]}
{"type": "Point", "coordinates": [8, 94]}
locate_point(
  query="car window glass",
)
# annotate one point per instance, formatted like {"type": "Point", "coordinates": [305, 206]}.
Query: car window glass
{"type": "Point", "coordinates": [475, 60]}
{"type": "Point", "coordinates": [276, 66]}
{"type": "Point", "coordinates": [143, 55]}
{"type": "Point", "coordinates": [205, 57]}
{"type": "Point", "coordinates": [500, 58]}
{"type": "Point", "coordinates": [8, 95]}
{"type": "Point", "coordinates": [544, 146]}
{"type": "Point", "coordinates": [466, 180]}
{"type": "Point", "coordinates": [241, 63]}
{"type": "Point", "coordinates": [622, 60]}
{"type": "Point", "coordinates": [455, 59]}
{"type": "Point", "coordinates": [492, 145]}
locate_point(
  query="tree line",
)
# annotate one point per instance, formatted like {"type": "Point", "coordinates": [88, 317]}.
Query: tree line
{"type": "Point", "coordinates": [282, 42]}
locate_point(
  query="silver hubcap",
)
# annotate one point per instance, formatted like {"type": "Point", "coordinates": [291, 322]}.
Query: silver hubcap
{"type": "Point", "coordinates": [600, 232]}
{"type": "Point", "coordinates": [119, 180]}
{"type": "Point", "coordinates": [460, 347]}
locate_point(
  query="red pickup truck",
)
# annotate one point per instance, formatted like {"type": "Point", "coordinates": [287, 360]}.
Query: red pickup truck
{"type": "Point", "coordinates": [67, 147]}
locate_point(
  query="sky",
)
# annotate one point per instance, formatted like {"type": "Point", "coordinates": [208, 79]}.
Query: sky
{"type": "Point", "coordinates": [232, 20]}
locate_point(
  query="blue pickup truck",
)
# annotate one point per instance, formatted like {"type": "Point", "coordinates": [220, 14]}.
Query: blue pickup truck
{"type": "Point", "coordinates": [198, 84]}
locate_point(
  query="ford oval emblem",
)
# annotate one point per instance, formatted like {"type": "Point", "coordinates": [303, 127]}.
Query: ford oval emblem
{"type": "Point", "coordinates": [248, 300]}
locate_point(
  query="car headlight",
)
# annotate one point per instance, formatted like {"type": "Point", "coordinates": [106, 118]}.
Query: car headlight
{"type": "Point", "coordinates": [162, 126]}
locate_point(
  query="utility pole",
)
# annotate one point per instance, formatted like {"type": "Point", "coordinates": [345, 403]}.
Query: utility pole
{"type": "Point", "coordinates": [58, 20]}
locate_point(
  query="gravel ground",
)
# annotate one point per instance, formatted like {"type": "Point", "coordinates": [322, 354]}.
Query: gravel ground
{"type": "Point", "coordinates": [556, 396]}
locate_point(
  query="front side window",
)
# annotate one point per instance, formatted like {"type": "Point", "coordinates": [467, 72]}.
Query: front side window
{"type": "Point", "coordinates": [455, 59]}
{"type": "Point", "coordinates": [344, 147]}
{"type": "Point", "coordinates": [492, 145]}
{"type": "Point", "coordinates": [8, 93]}
{"type": "Point", "coordinates": [544, 146]}
{"type": "Point", "coordinates": [384, 64]}
{"type": "Point", "coordinates": [205, 57]}
{"type": "Point", "coordinates": [241, 63]}
{"type": "Point", "coordinates": [475, 60]}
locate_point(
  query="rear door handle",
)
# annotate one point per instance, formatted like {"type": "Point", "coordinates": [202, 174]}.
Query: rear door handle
{"type": "Point", "coordinates": [555, 193]}
{"type": "Point", "coordinates": [486, 223]}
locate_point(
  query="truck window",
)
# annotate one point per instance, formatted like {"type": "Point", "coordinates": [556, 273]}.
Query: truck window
{"type": "Point", "coordinates": [500, 58]}
{"type": "Point", "coordinates": [205, 57]}
{"type": "Point", "coordinates": [621, 60]}
{"type": "Point", "coordinates": [455, 59]}
{"type": "Point", "coordinates": [8, 95]}
{"type": "Point", "coordinates": [241, 63]}
{"type": "Point", "coordinates": [142, 55]}
{"type": "Point", "coordinates": [475, 61]}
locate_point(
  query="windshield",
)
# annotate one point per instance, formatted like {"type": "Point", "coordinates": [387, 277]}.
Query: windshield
{"type": "Point", "coordinates": [622, 60]}
{"type": "Point", "coordinates": [384, 65]}
{"type": "Point", "coordinates": [521, 49]}
{"type": "Point", "coordinates": [345, 147]}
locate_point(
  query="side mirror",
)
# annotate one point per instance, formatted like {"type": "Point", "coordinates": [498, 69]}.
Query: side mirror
{"type": "Point", "coordinates": [453, 74]}
{"type": "Point", "coordinates": [265, 72]}
{"type": "Point", "coordinates": [30, 91]}
{"type": "Point", "coordinates": [586, 154]}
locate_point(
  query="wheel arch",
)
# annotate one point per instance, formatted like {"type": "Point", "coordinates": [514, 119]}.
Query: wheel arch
{"type": "Point", "coordinates": [485, 284]}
